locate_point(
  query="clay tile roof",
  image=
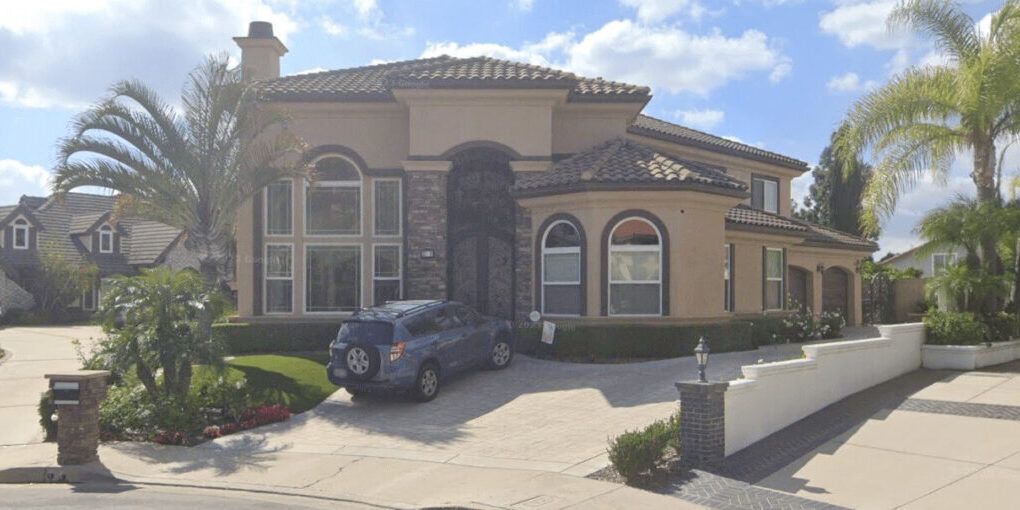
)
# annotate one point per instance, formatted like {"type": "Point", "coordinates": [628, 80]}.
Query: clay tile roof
{"type": "Point", "coordinates": [625, 163]}
{"type": "Point", "coordinates": [660, 129]}
{"type": "Point", "coordinates": [743, 217]}
{"type": "Point", "coordinates": [375, 83]}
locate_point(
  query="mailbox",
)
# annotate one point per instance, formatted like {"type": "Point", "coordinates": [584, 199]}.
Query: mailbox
{"type": "Point", "coordinates": [66, 393]}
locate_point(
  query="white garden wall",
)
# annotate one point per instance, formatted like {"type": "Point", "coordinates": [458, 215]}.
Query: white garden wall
{"type": "Point", "coordinates": [969, 357]}
{"type": "Point", "coordinates": [772, 396]}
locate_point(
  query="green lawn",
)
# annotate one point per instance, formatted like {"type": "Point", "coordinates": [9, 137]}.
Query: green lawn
{"type": "Point", "coordinates": [296, 380]}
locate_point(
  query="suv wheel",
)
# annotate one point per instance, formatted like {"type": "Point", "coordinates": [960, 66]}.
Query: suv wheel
{"type": "Point", "coordinates": [426, 386]}
{"type": "Point", "coordinates": [502, 353]}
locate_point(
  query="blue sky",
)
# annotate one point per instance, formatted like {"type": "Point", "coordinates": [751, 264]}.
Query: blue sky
{"type": "Point", "coordinates": [774, 73]}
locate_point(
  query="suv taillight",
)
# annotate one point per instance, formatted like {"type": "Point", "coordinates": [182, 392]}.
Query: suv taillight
{"type": "Point", "coordinates": [397, 350]}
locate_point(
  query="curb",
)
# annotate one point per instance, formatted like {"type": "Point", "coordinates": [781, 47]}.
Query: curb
{"type": "Point", "coordinates": [92, 472]}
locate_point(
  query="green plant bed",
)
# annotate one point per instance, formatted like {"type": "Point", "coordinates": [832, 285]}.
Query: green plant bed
{"type": "Point", "coordinates": [628, 342]}
{"type": "Point", "coordinates": [245, 338]}
{"type": "Point", "coordinates": [296, 380]}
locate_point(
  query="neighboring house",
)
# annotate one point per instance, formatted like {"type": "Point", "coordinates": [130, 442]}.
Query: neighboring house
{"type": "Point", "coordinates": [512, 188]}
{"type": "Point", "coordinates": [929, 265]}
{"type": "Point", "coordinates": [82, 228]}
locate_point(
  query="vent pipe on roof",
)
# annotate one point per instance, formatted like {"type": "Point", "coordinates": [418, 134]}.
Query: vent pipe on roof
{"type": "Point", "coordinates": [260, 52]}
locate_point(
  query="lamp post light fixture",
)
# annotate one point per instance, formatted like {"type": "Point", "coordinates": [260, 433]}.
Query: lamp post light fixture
{"type": "Point", "coordinates": [701, 355]}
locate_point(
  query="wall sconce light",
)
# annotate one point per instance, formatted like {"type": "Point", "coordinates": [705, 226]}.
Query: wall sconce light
{"type": "Point", "coordinates": [820, 268]}
{"type": "Point", "coordinates": [428, 253]}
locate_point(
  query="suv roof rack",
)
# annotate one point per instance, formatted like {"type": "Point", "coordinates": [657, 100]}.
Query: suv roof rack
{"type": "Point", "coordinates": [417, 308]}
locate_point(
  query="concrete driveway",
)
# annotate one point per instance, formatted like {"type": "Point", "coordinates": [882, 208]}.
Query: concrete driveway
{"type": "Point", "coordinates": [955, 443]}
{"type": "Point", "coordinates": [536, 415]}
{"type": "Point", "coordinates": [33, 352]}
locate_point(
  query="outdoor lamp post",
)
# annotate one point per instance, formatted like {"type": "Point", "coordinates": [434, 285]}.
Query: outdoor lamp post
{"type": "Point", "coordinates": [701, 355]}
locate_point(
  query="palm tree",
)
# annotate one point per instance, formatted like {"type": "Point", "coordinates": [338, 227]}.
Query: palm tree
{"type": "Point", "coordinates": [924, 117]}
{"type": "Point", "coordinates": [192, 170]}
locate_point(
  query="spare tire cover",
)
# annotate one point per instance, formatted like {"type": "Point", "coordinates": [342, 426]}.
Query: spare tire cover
{"type": "Point", "coordinates": [361, 361]}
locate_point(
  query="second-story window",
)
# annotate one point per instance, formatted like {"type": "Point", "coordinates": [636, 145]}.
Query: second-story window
{"type": "Point", "coordinates": [21, 234]}
{"type": "Point", "coordinates": [279, 215]}
{"type": "Point", "coordinates": [333, 199]}
{"type": "Point", "coordinates": [765, 194]}
{"type": "Point", "coordinates": [105, 239]}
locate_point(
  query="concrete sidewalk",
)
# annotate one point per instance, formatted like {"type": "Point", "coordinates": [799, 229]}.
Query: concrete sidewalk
{"type": "Point", "coordinates": [386, 482]}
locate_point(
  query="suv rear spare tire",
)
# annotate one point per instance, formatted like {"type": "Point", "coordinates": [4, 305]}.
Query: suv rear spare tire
{"type": "Point", "coordinates": [361, 361]}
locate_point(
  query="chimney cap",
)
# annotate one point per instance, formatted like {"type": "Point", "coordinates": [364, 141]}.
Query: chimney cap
{"type": "Point", "coordinates": [260, 30]}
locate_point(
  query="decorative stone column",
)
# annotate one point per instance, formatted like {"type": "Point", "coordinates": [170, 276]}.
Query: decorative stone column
{"type": "Point", "coordinates": [702, 423]}
{"type": "Point", "coordinates": [425, 275]}
{"type": "Point", "coordinates": [77, 396]}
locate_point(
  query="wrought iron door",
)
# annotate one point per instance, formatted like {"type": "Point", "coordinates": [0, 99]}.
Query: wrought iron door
{"type": "Point", "coordinates": [481, 231]}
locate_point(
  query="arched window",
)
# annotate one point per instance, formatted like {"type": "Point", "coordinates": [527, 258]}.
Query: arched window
{"type": "Point", "coordinates": [333, 198]}
{"type": "Point", "coordinates": [105, 239]}
{"type": "Point", "coordinates": [561, 269]}
{"type": "Point", "coordinates": [21, 229]}
{"type": "Point", "coordinates": [635, 268]}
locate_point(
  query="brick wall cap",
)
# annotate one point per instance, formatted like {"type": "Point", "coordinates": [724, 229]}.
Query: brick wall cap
{"type": "Point", "coordinates": [701, 387]}
{"type": "Point", "coordinates": [79, 375]}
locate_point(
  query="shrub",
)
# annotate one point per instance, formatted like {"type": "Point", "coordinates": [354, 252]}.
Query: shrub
{"type": "Point", "coordinates": [830, 324]}
{"type": "Point", "coordinates": [635, 340]}
{"type": "Point", "coordinates": [799, 327]}
{"type": "Point", "coordinates": [954, 328]}
{"type": "Point", "coordinates": [244, 338]}
{"type": "Point", "coordinates": [1001, 326]}
{"type": "Point", "coordinates": [767, 330]}
{"type": "Point", "coordinates": [634, 453]}
{"type": "Point", "coordinates": [46, 411]}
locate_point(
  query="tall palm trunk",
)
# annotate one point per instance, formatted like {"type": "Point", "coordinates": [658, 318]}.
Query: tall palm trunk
{"type": "Point", "coordinates": [987, 193]}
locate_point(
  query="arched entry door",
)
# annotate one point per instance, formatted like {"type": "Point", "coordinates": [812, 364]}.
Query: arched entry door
{"type": "Point", "coordinates": [836, 292]}
{"type": "Point", "coordinates": [800, 287]}
{"type": "Point", "coordinates": [481, 231]}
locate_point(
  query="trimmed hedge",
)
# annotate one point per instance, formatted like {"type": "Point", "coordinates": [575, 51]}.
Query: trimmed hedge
{"type": "Point", "coordinates": [245, 338]}
{"type": "Point", "coordinates": [606, 341]}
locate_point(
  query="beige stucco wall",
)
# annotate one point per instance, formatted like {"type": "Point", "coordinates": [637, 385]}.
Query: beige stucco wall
{"type": "Point", "coordinates": [377, 132]}
{"type": "Point", "coordinates": [579, 126]}
{"type": "Point", "coordinates": [738, 168]}
{"type": "Point", "coordinates": [810, 257]}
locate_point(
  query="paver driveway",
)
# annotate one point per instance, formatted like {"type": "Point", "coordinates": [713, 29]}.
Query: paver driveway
{"type": "Point", "coordinates": [538, 414]}
{"type": "Point", "coordinates": [32, 353]}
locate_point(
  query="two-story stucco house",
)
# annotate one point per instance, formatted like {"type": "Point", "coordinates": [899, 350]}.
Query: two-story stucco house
{"type": "Point", "coordinates": [514, 188]}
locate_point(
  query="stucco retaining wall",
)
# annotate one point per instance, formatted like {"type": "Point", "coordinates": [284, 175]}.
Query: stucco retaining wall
{"type": "Point", "coordinates": [969, 357]}
{"type": "Point", "coordinates": [772, 396]}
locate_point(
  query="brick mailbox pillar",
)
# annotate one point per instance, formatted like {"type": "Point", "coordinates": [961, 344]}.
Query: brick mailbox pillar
{"type": "Point", "coordinates": [702, 425]}
{"type": "Point", "coordinates": [77, 396]}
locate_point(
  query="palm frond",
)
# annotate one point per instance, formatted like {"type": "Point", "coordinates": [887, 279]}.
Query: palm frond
{"type": "Point", "coordinates": [951, 28]}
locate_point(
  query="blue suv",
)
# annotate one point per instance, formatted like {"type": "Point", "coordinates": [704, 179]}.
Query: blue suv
{"type": "Point", "coordinates": [412, 345]}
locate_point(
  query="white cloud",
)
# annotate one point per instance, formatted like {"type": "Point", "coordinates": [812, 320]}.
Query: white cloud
{"type": "Point", "coordinates": [522, 5]}
{"type": "Point", "coordinates": [701, 119]}
{"type": "Point", "coordinates": [368, 22]}
{"type": "Point", "coordinates": [858, 23]}
{"type": "Point", "coordinates": [97, 43]}
{"type": "Point", "coordinates": [332, 27]}
{"type": "Point", "coordinates": [659, 10]}
{"type": "Point", "coordinates": [849, 82]}
{"type": "Point", "coordinates": [800, 186]}
{"type": "Point", "coordinates": [525, 54]}
{"type": "Point", "coordinates": [760, 145]}
{"type": "Point", "coordinates": [17, 178]}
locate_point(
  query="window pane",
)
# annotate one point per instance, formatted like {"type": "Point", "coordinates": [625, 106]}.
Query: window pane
{"type": "Point", "coordinates": [774, 264]}
{"type": "Point", "coordinates": [105, 240]}
{"type": "Point", "coordinates": [423, 325]}
{"type": "Point", "coordinates": [333, 210]}
{"type": "Point", "coordinates": [20, 237]}
{"type": "Point", "coordinates": [387, 208]}
{"type": "Point", "coordinates": [562, 235]}
{"type": "Point", "coordinates": [757, 193]}
{"type": "Point", "coordinates": [278, 208]}
{"type": "Point", "coordinates": [386, 290]}
{"type": "Point", "coordinates": [278, 261]}
{"type": "Point", "coordinates": [771, 202]}
{"type": "Point", "coordinates": [333, 278]}
{"type": "Point", "coordinates": [279, 296]}
{"type": "Point", "coordinates": [634, 299]}
{"type": "Point", "coordinates": [562, 267]}
{"type": "Point", "coordinates": [387, 262]}
{"type": "Point", "coordinates": [635, 232]}
{"type": "Point", "coordinates": [634, 265]}
{"type": "Point", "coordinates": [562, 299]}
{"type": "Point", "coordinates": [335, 169]}
{"type": "Point", "coordinates": [773, 295]}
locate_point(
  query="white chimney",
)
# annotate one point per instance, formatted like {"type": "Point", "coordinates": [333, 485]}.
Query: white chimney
{"type": "Point", "coordinates": [260, 52]}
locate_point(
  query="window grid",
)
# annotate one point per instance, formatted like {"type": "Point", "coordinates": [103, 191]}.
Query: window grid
{"type": "Point", "coordinates": [778, 252]}
{"type": "Point", "coordinates": [375, 207]}
{"type": "Point", "coordinates": [656, 249]}
{"type": "Point", "coordinates": [287, 276]}
{"type": "Point", "coordinates": [563, 250]}
{"type": "Point", "coordinates": [267, 206]}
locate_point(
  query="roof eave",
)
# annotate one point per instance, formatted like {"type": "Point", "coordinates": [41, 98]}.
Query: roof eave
{"type": "Point", "coordinates": [606, 186]}
{"type": "Point", "coordinates": [666, 137]}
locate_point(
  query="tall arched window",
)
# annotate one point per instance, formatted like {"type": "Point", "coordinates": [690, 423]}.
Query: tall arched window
{"type": "Point", "coordinates": [333, 198]}
{"type": "Point", "coordinates": [105, 239]}
{"type": "Point", "coordinates": [561, 269]}
{"type": "Point", "coordinates": [21, 230]}
{"type": "Point", "coordinates": [635, 268]}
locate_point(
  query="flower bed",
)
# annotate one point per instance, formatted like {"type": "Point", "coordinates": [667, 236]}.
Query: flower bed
{"type": "Point", "coordinates": [969, 357]}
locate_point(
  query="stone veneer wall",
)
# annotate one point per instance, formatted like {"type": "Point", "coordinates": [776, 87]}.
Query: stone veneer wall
{"type": "Point", "coordinates": [12, 296]}
{"type": "Point", "coordinates": [523, 302]}
{"type": "Point", "coordinates": [426, 229]}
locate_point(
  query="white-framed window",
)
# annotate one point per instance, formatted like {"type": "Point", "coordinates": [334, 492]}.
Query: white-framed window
{"type": "Point", "coordinates": [635, 268]}
{"type": "Point", "coordinates": [387, 266]}
{"type": "Point", "coordinates": [386, 207]}
{"type": "Point", "coordinates": [728, 277]}
{"type": "Point", "coordinates": [774, 278]}
{"type": "Point", "coordinates": [765, 194]}
{"type": "Point", "coordinates": [278, 295]}
{"type": "Point", "coordinates": [279, 206]}
{"type": "Point", "coordinates": [89, 298]}
{"type": "Point", "coordinates": [332, 278]}
{"type": "Point", "coordinates": [941, 261]}
{"type": "Point", "coordinates": [21, 229]}
{"type": "Point", "coordinates": [561, 269]}
{"type": "Point", "coordinates": [105, 239]}
{"type": "Point", "coordinates": [333, 198]}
